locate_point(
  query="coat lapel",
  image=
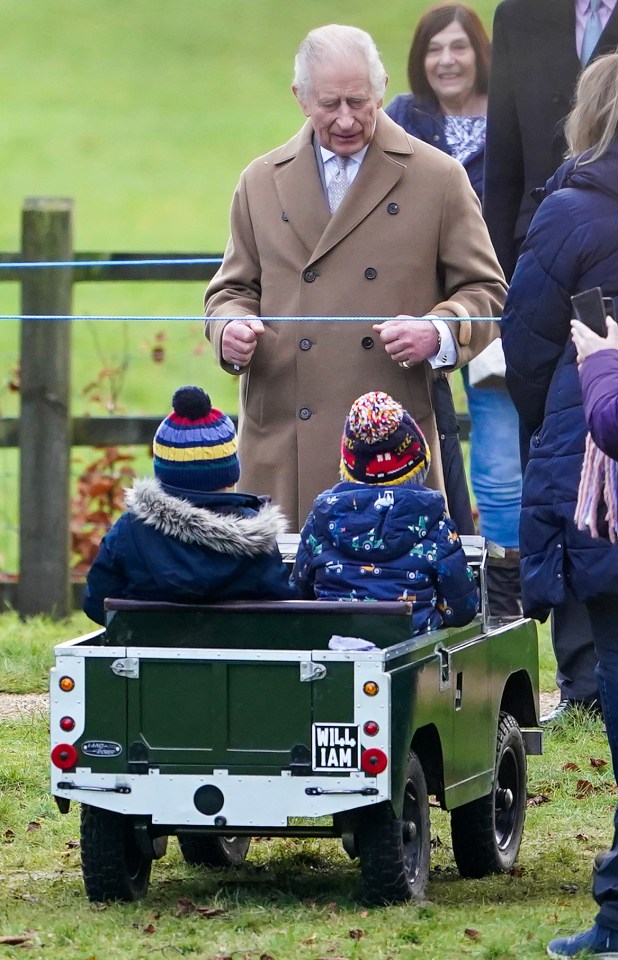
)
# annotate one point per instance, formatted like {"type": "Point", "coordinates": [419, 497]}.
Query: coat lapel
{"type": "Point", "coordinates": [378, 174]}
{"type": "Point", "coordinates": [299, 188]}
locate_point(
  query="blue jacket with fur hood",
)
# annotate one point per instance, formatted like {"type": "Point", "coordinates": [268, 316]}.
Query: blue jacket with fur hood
{"type": "Point", "coordinates": [184, 546]}
{"type": "Point", "coordinates": [369, 542]}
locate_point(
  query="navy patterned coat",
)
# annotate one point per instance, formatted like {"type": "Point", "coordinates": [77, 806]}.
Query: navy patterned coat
{"type": "Point", "coordinates": [365, 542]}
{"type": "Point", "coordinates": [572, 245]}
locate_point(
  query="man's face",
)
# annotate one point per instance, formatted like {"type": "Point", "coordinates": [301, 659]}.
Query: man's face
{"type": "Point", "coordinates": [341, 106]}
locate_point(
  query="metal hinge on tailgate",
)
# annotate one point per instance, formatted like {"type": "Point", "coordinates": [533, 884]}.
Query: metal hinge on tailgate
{"type": "Point", "coordinates": [311, 671]}
{"type": "Point", "coordinates": [126, 667]}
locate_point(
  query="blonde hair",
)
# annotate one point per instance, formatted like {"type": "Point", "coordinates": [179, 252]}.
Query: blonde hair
{"type": "Point", "coordinates": [593, 122]}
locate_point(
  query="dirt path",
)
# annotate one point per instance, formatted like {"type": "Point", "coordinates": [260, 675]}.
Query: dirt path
{"type": "Point", "coordinates": [22, 704]}
{"type": "Point", "coordinates": [14, 705]}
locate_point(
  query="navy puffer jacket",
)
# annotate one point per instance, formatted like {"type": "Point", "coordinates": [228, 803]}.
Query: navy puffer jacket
{"type": "Point", "coordinates": [572, 245]}
{"type": "Point", "coordinates": [363, 542]}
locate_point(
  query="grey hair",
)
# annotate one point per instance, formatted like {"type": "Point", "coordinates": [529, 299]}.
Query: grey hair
{"type": "Point", "coordinates": [593, 122]}
{"type": "Point", "coordinates": [337, 43]}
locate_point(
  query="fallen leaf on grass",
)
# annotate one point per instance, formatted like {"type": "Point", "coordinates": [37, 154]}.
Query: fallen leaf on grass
{"type": "Point", "coordinates": [472, 934]}
{"type": "Point", "coordinates": [356, 934]}
{"type": "Point", "coordinates": [310, 940]}
{"type": "Point", "coordinates": [72, 844]}
{"type": "Point", "coordinates": [569, 887]}
{"type": "Point", "coordinates": [15, 941]}
{"type": "Point", "coordinates": [582, 836]}
{"type": "Point", "coordinates": [538, 800]}
{"type": "Point", "coordinates": [516, 871]}
{"type": "Point", "coordinates": [583, 789]}
{"type": "Point", "coordinates": [9, 836]}
{"type": "Point", "coordinates": [364, 914]}
{"type": "Point", "coordinates": [597, 762]}
{"type": "Point", "coordinates": [266, 956]}
{"type": "Point", "coordinates": [570, 766]}
{"type": "Point", "coordinates": [33, 825]}
{"type": "Point", "coordinates": [150, 928]}
{"type": "Point", "coordinates": [185, 906]}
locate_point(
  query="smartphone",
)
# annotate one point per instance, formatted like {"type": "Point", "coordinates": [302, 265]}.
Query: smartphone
{"type": "Point", "coordinates": [588, 306]}
{"type": "Point", "coordinates": [610, 308]}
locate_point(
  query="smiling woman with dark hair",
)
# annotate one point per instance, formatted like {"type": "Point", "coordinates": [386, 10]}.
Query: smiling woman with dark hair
{"type": "Point", "coordinates": [448, 72]}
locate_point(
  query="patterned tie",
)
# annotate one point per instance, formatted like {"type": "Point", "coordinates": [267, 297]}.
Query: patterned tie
{"type": "Point", "coordinates": [339, 184]}
{"type": "Point", "coordinates": [593, 31]}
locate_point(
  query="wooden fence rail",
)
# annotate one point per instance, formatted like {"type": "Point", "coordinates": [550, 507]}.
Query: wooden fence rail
{"type": "Point", "coordinates": [45, 430]}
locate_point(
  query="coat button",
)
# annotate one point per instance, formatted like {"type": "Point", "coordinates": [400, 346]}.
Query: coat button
{"type": "Point", "coordinates": [305, 344]}
{"type": "Point", "coordinates": [284, 216]}
{"type": "Point", "coordinates": [304, 413]}
{"type": "Point", "coordinates": [371, 273]}
{"type": "Point", "coordinates": [367, 343]}
{"type": "Point", "coordinates": [393, 208]}
{"type": "Point", "coordinates": [309, 276]}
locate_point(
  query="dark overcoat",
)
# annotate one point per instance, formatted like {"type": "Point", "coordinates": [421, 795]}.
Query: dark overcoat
{"type": "Point", "coordinates": [534, 69]}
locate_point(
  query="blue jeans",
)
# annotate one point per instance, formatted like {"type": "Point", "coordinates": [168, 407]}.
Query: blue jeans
{"type": "Point", "coordinates": [495, 468]}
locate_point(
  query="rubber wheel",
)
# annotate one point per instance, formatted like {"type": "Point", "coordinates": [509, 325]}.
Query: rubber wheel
{"type": "Point", "coordinates": [394, 853]}
{"type": "Point", "coordinates": [210, 851]}
{"type": "Point", "coordinates": [487, 832]}
{"type": "Point", "coordinates": [113, 866]}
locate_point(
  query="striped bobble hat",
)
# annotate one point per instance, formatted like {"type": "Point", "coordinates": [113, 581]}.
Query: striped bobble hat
{"type": "Point", "coordinates": [382, 444]}
{"type": "Point", "coordinates": [195, 447]}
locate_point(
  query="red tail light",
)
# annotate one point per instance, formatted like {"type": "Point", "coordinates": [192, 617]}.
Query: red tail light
{"type": "Point", "coordinates": [374, 761]}
{"type": "Point", "coordinates": [64, 756]}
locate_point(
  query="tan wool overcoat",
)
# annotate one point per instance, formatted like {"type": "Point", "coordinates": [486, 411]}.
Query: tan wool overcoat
{"type": "Point", "coordinates": [408, 238]}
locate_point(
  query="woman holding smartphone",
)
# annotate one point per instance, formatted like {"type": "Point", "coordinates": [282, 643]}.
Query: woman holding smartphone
{"type": "Point", "coordinates": [571, 246]}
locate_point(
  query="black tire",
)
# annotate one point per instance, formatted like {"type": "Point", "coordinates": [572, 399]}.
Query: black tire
{"type": "Point", "coordinates": [113, 866]}
{"type": "Point", "coordinates": [487, 832]}
{"type": "Point", "coordinates": [210, 851]}
{"type": "Point", "coordinates": [394, 853]}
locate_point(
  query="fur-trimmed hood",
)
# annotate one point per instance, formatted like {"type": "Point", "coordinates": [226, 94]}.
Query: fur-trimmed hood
{"type": "Point", "coordinates": [234, 524]}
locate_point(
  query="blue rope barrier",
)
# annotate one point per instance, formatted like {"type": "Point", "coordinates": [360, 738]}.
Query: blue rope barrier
{"type": "Point", "coordinates": [39, 264]}
{"type": "Point", "coordinates": [201, 318]}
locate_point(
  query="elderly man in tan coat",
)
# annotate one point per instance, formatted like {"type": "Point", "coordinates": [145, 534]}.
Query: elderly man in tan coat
{"type": "Point", "coordinates": [394, 231]}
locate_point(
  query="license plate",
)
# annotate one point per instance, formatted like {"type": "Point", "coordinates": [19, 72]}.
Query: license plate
{"type": "Point", "coordinates": [335, 747]}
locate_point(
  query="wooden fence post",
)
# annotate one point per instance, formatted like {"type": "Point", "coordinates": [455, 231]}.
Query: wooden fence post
{"type": "Point", "coordinates": [45, 418]}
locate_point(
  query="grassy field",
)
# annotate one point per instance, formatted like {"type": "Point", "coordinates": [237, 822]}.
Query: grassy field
{"type": "Point", "coordinates": [292, 899]}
